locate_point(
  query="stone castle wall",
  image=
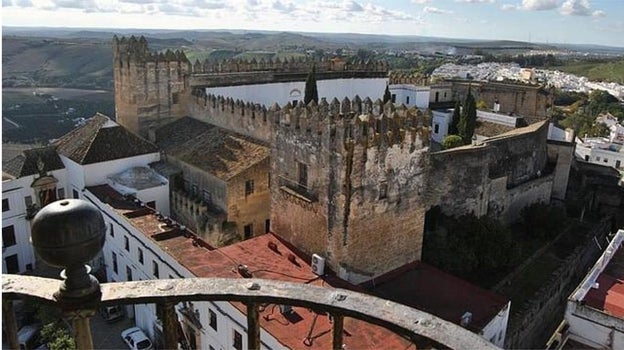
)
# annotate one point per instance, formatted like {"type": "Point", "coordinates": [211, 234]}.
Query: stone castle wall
{"type": "Point", "coordinates": [531, 102]}
{"type": "Point", "coordinates": [498, 178]}
{"type": "Point", "coordinates": [150, 89]}
{"type": "Point", "coordinates": [367, 163]}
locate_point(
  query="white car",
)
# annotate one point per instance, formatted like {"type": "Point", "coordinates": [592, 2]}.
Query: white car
{"type": "Point", "coordinates": [136, 339]}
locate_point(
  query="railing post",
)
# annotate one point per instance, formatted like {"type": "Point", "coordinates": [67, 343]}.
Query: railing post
{"type": "Point", "coordinates": [170, 325]}
{"type": "Point", "coordinates": [253, 326]}
{"type": "Point", "coordinates": [337, 328]}
{"type": "Point", "coordinates": [8, 318]}
{"type": "Point", "coordinates": [81, 323]}
{"type": "Point", "coordinates": [69, 233]}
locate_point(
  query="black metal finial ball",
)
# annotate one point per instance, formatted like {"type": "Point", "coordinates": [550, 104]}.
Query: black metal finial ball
{"type": "Point", "coordinates": [68, 232]}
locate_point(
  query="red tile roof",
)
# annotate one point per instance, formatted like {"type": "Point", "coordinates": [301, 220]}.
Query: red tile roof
{"type": "Point", "coordinates": [262, 262]}
{"type": "Point", "coordinates": [100, 140]}
{"type": "Point", "coordinates": [609, 296]}
{"type": "Point", "coordinates": [426, 288]}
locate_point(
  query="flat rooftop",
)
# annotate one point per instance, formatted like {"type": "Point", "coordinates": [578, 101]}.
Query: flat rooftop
{"type": "Point", "coordinates": [265, 256]}
{"type": "Point", "coordinates": [429, 289]}
{"type": "Point", "coordinates": [609, 296]}
{"type": "Point", "coordinates": [268, 256]}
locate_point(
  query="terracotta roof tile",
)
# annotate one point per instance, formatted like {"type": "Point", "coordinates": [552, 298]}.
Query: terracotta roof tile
{"type": "Point", "coordinates": [100, 140]}
{"type": "Point", "coordinates": [221, 153]}
{"type": "Point", "coordinates": [29, 161]}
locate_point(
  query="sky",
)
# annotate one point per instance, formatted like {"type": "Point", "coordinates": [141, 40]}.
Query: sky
{"type": "Point", "coordinates": [543, 21]}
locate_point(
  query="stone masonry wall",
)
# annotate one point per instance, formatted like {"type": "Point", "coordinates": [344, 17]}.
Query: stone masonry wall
{"type": "Point", "coordinates": [531, 102]}
{"type": "Point", "coordinates": [253, 208]}
{"type": "Point", "coordinates": [150, 88]}
{"type": "Point", "coordinates": [366, 165]}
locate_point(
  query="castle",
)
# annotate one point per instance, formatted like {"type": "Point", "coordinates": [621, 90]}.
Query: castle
{"type": "Point", "coordinates": [351, 179]}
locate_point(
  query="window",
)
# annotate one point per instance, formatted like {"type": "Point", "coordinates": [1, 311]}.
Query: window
{"type": "Point", "coordinates": [128, 273]}
{"type": "Point", "coordinates": [28, 201]}
{"type": "Point", "coordinates": [437, 96]}
{"type": "Point", "coordinates": [61, 193]}
{"type": "Point", "coordinates": [618, 163]}
{"type": "Point", "coordinates": [587, 158]}
{"type": "Point", "coordinates": [393, 98]}
{"type": "Point", "coordinates": [407, 100]}
{"type": "Point", "coordinates": [267, 225]}
{"type": "Point", "coordinates": [598, 159]}
{"type": "Point", "coordinates": [213, 319]}
{"type": "Point", "coordinates": [155, 268]}
{"type": "Point", "coordinates": [12, 264]}
{"type": "Point", "coordinates": [175, 98]}
{"type": "Point", "coordinates": [206, 196]}
{"type": "Point", "coordinates": [151, 204]}
{"type": "Point", "coordinates": [383, 190]}
{"type": "Point", "coordinates": [111, 230]}
{"type": "Point", "coordinates": [303, 175]}
{"type": "Point", "coordinates": [8, 236]}
{"type": "Point", "coordinates": [5, 205]}
{"type": "Point", "coordinates": [140, 254]}
{"type": "Point", "coordinates": [436, 128]}
{"type": "Point", "coordinates": [114, 262]}
{"type": "Point", "coordinates": [126, 243]}
{"type": "Point", "coordinates": [194, 189]}
{"type": "Point", "coordinates": [248, 231]}
{"type": "Point", "coordinates": [237, 341]}
{"type": "Point", "coordinates": [249, 187]}
{"type": "Point", "coordinates": [75, 194]}
{"type": "Point", "coordinates": [605, 160]}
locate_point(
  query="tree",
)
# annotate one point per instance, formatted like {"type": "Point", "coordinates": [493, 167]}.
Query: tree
{"type": "Point", "coordinates": [455, 121]}
{"type": "Point", "coordinates": [311, 92]}
{"type": "Point", "coordinates": [387, 96]}
{"type": "Point", "coordinates": [468, 120]}
{"type": "Point", "coordinates": [452, 141]}
{"type": "Point", "coordinates": [482, 105]}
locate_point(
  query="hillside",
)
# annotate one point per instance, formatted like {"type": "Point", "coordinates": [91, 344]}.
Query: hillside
{"type": "Point", "coordinates": [83, 63]}
{"type": "Point", "coordinates": [596, 71]}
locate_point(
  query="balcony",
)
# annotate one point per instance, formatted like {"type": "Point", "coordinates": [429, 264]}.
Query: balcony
{"type": "Point", "coordinates": [77, 224]}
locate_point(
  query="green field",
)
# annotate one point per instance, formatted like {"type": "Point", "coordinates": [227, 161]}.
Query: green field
{"type": "Point", "coordinates": [596, 71]}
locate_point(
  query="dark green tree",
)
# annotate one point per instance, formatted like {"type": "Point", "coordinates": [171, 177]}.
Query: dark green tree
{"type": "Point", "coordinates": [455, 121]}
{"type": "Point", "coordinates": [387, 96]}
{"type": "Point", "coordinates": [311, 92]}
{"type": "Point", "coordinates": [468, 120]}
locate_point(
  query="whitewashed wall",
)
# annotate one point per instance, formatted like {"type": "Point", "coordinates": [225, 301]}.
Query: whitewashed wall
{"type": "Point", "coordinates": [282, 93]}
{"type": "Point", "coordinates": [410, 95]}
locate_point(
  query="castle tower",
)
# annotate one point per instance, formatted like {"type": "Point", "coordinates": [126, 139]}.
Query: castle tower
{"type": "Point", "coordinates": [151, 89]}
{"type": "Point", "coordinates": [347, 184]}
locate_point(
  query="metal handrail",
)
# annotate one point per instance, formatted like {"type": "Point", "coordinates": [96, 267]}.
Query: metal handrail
{"type": "Point", "coordinates": [403, 320]}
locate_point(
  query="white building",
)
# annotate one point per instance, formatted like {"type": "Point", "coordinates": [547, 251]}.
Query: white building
{"type": "Point", "coordinates": [293, 92]}
{"type": "Point", "coordinates": [600, 150]}
{"type": "Point", "coordinates": [594, 315]}
{"type": "Point", "coordinates": [410, 95]}
{"type": "Point", "coordinates": [87, 156]}
{"type": "Point", "coordinates": [29, 181]}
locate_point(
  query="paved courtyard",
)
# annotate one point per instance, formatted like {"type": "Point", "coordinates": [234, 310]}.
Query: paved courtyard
{"type": "Point", "coordinates": [108, 335]}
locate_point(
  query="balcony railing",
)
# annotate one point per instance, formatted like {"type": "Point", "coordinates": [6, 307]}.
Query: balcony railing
{"type": "Point", "coordinates": [79, 295]}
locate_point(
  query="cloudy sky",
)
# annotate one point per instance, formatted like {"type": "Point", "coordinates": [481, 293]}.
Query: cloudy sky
{"type": "Point", "coordinates": [561, 21]}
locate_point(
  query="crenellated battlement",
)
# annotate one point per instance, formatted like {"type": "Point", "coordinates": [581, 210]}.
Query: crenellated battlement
{"type": "Point", "coordinates": [361, 121]}
{"type": "Point", "coordinates": [408, 78]}
{"type": "Point", "coordinates": [136, 49]}
{"type": "Point", "coordinates": [292, 65]}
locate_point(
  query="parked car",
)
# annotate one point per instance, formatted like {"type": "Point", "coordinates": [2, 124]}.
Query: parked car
{"type": "Point", "coordinates": [136, 339]}
{"type": "Point", "coordinates": [29, 337]}
{"type": "Point", "coordinates": [112, 313]}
